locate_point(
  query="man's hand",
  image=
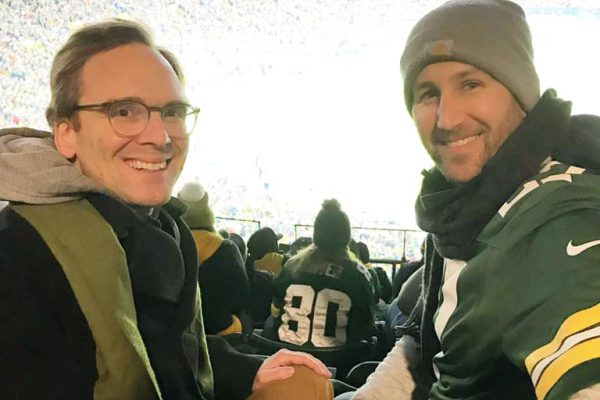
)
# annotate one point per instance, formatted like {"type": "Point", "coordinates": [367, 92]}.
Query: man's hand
{"type": "Point", "coordinates": [280, 366]}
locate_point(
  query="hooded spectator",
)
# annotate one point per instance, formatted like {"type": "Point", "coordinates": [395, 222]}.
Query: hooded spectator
{"type": "Point", "coordinates": [221, 275]}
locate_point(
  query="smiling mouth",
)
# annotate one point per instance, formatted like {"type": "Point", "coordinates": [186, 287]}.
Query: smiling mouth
{"type": "Point", "coordinates": [146, 166]}
{"type": "Point", "coordinates": [461, 142]}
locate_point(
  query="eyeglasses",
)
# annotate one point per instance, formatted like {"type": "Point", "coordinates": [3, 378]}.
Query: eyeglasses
{"type": "Point", "coordinates": [129, 117]}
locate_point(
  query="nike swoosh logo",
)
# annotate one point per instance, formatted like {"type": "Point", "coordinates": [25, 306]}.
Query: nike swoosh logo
{"type": "Point", "coordinates": [573, 250]}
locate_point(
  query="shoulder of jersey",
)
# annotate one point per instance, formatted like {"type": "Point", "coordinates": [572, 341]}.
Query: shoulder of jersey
{"type": "Point", "coordinates": [557, 189]}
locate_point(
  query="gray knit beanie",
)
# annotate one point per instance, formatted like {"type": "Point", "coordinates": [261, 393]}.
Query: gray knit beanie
{"type": "Point", "coordinates": [199, 214]}
{"type": "Point", "coordinates": [332, 227]}
{"type": "Point", "coordinates": [492, 35]}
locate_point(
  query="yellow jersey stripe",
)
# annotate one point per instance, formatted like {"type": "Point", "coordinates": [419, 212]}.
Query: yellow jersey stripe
{"type": "Point", "coordinates": [579, 354]}
{"type": "Point", "coordinates": [575, 323]}
{"type": "Point", "coordinates": [569, 343]}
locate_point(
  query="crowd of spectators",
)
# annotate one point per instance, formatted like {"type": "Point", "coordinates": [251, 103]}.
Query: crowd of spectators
{"type": "Point", "coordinates": [251, 209]}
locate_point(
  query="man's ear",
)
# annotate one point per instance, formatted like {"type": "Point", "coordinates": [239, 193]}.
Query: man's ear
{"type": "Point", "coordinates": [65, 138]}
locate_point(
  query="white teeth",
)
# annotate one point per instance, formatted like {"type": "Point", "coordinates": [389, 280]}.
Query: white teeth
{"type": "Point", "coordinates": [462, 141]}
{"type": "Point", "coordinates": [137, 164]}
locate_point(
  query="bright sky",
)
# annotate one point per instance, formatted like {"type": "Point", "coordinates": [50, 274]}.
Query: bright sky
{"type": "Point", "coordinates": [302, 96]}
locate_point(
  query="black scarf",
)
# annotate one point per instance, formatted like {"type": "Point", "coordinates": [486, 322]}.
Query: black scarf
{"type": "Point", "coordinates": [456, 214]}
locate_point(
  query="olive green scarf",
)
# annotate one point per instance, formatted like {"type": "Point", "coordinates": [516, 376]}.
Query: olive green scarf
{"type": "Point", "coordinates": [95, 265]}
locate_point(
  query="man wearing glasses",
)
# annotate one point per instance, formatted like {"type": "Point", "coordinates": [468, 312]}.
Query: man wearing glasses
{"type": "Point", "coordinates": [98, 274]}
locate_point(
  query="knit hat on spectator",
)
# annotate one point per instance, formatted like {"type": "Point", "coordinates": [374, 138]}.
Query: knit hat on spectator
{"type": "Point", "coordinates": [491, 35]}
{"type": "Point", "coordinates": [332, 227]}
{"type": "Point", "coordinates": [199, 215]}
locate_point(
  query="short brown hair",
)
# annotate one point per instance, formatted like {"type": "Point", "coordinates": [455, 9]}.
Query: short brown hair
{"type": "Point", "coordinates": [83, 45]}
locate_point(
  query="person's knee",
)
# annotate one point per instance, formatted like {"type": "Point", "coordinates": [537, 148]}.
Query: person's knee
{"type": "Point", "coordinates": [304, 384]}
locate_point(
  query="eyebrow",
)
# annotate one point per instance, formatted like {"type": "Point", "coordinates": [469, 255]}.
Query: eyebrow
{"type": "Point", "coordinates": [140, 100]}
{"type": "Point", "coordinates": [423, 85]}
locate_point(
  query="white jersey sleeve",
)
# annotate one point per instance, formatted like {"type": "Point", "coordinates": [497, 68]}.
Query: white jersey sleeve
{"type": "Point", "coordinates": [392, 378]}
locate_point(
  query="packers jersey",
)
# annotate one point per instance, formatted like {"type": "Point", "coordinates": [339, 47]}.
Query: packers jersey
{"type": "Point", "coordinates": [322, 304]}
{"type": "Point", "coordinates": [521, 319]}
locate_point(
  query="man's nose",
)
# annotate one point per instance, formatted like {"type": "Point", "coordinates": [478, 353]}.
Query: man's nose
{"type": "Point", "coordinates": [155, 132]}
{"type": "Point", "coordinates": [450, 112]}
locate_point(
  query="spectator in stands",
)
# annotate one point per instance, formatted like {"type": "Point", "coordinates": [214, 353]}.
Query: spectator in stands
{"type": "Point", "coordinates": [376, 286]}
{"type": "Point", "coordinates": [385, 286]}
{"type": "Point", "coordinates": [363, 254]}
{"type": "Point", "coordinates": [98, 273]}
{"type": "Point", "coordinates": [377, 289]}
{"type": "Point", "coordinates": [263, 251]}
{"type": "Point", "coordinates": [262, 266]}
{"type": "Point", "coordinates": [511, 302]}
{"type": "Point", "coordinates": [323, 296]}
{"type": "Point", "coordinates": [224, 233]}
{"type": "Point", "coordinates": [222, 276]}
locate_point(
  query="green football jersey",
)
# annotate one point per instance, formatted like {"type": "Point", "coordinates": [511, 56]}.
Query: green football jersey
{"type": "Point", "coordinates": [521, 319]}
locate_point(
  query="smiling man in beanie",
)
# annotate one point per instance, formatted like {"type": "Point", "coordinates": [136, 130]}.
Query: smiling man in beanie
{"type": "Point", "coordinates": [511, 302]}
{"type": "Point", "coordinates": [324, 296]}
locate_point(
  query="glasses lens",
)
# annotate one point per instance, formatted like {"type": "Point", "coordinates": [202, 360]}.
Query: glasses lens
{"type": "Point", "coordinates": [128, 117]}
{"type": "Point", "coordinates": [179, 119]}
{"type": "Point", "coordinates": [191, 119]}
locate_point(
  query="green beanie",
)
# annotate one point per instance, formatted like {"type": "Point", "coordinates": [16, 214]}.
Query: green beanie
{"type": "Point", "coordinates": [198, 215]}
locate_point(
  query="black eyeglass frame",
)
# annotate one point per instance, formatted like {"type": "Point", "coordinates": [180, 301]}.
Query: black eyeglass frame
{"type": "Point", "coordinates": [105, 107]}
